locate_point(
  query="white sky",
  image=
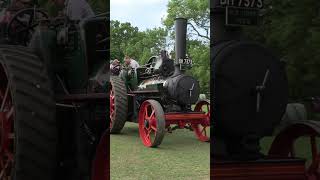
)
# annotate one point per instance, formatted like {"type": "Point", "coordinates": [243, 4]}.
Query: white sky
{"type": "Point", "coordinates": [144, 14]}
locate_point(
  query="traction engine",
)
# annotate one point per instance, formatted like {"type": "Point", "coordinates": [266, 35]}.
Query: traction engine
{"type": "Point", "coordinates": [159, 94]}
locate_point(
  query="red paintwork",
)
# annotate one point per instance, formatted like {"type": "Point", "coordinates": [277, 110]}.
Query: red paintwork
{"type": "Point", "coordinates": [281, 163]}
{"type": "Point", "coordinates": [6, 129]}
{"type": "Point", "coordinates": [101, 163]}
{"type": "Point", "coordinates": [282, 169]}
{"type": "Point", "coordinates": [283, 144]}
{"type": "Point", "coordinates": [175, 118]}
{"type": "Point", "coordinates": [112, 107]}
{"type": "Point", "coordinates": [150, 117]}
{"type": "Point", "coordinates": [200, 129]}
{"type": "Point", "coordinates": [198, 120]}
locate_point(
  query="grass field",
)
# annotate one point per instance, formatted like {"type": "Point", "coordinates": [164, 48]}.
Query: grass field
{"type": "Point", "coordinates": [180, 156]}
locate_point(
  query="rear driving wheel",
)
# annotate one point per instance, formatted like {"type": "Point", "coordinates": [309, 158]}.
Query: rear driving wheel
{"type": "Point", "coordinates": [118, 104]}
{"type": "Point", "coordinates": [28, 134]}
{"type": "Point", "coordinates": [6, 130]}
{"type": "Point", "coordinates": [151, 123]}
{"type": "Point", "coordinates": [202, 130]}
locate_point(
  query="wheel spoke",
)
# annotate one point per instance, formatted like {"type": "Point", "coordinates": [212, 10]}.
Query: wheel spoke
{"type": "Point", "coordinates": [4, 99]}
{"type": "Point", "coordinates": [153, 128]}
{"type": "Point", "coordinates": [111, 116]}
{"type": "Point", "coordinates": [152, 114]}
{"type": "Point", "coordinates": [148, 134]}
{"type": "Point", "coordinates": [205, 131]}
{"type": "Point", "coordinates": [2, 173]}
{"type": "Point", "coordinates": [146, 116]}
{"type": "Point", "coordinates": [10, 113]}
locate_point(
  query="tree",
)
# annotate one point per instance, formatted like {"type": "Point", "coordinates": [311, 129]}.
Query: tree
{"type": "Point", "coordinates": [196, 11]}
{"type": "Point", "coordinates": [140, 45]}
{"type": "Point", "coordinates": [200, 54]}
{"type": "Point", "coordinates": [121, 34]}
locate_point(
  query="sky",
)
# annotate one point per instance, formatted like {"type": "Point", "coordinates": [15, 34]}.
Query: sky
{"type": "Point", "coordinates": [144, 14]}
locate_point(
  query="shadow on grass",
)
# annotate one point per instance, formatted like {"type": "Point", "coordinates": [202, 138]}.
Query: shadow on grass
{"type": "Point", "coordinates": [170, 140]}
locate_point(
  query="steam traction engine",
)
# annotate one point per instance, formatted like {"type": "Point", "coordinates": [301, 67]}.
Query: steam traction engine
{"type": "Point", "coordinates": [159, 94]}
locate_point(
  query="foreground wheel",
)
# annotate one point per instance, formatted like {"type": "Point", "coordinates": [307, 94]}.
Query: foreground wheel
{"type": "Point", "coordinates": [202, 131]}
{"type": "Point", "coordinates": [118, 104]}
{"type": "Point", "coordinates": [27, 117]}
{"type": "Point", "coordinates": [283, 146]}
{"type": "Point", "coordinates": [151, 123]}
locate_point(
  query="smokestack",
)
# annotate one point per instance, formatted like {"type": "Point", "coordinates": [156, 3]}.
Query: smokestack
{"type": "Point", "coordinates": [181, 38]}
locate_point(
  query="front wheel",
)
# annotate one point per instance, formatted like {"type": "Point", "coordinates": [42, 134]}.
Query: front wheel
{"type": "Point", "coordinates": [202, 130]}
{"type": "Point", "coordinates": [151, 123]}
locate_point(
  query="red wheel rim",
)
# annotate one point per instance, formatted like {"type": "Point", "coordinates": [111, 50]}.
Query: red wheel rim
{"type": "Point", "coordinates": [147, 124]}
{"type": "Point", "coordinates": [313, 170]}
{"type": "Point", "coordinates": [112, 107]}
{"type": "Point", "coordinates": [6, 128]}
{"type": "Point", "coordinates": [283, 146]}
{"type": "Point", "coordinates": [201, 130]}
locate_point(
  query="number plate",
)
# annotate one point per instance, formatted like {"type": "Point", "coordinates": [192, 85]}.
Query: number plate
{"type": "Point", "coordinates": [256, 4]}
{"type": "Point", "coordinates": [185, 61]}
{"type": "Point", "coordinates": [236, 16]}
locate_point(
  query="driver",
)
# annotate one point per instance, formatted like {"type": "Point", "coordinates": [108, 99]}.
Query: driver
{"type": "Point", "coordinates": [75, 9]}
{"type": "Point", "coordinates": [115, 67]}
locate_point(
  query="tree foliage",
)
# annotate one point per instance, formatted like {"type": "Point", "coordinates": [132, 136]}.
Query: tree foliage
{"type": "Point", "coordinates": [140, 45]}
{"type": "Point", "coordinates": [196, 11]}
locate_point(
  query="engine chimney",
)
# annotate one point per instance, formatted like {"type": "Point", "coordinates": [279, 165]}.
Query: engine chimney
{"type": "Point", "coordinates": [181, 38]}
{"type": "Point", "coordinates": [180, 46]}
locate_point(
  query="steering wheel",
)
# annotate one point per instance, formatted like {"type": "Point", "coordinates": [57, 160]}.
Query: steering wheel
{"type": "Point", "coordinates": [23, 24]}
{"type": "Point", "coordinates": [152, 61]}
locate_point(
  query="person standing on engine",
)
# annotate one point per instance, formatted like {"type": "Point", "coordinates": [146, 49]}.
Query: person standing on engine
{"type": "Point", "coordinates": [131, 62]}
{"type": "Point", "coordinates": [75, 9]}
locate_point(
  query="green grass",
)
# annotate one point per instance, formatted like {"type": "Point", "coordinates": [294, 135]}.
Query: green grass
{"type": "Point", "coordinates": [180, 156]}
